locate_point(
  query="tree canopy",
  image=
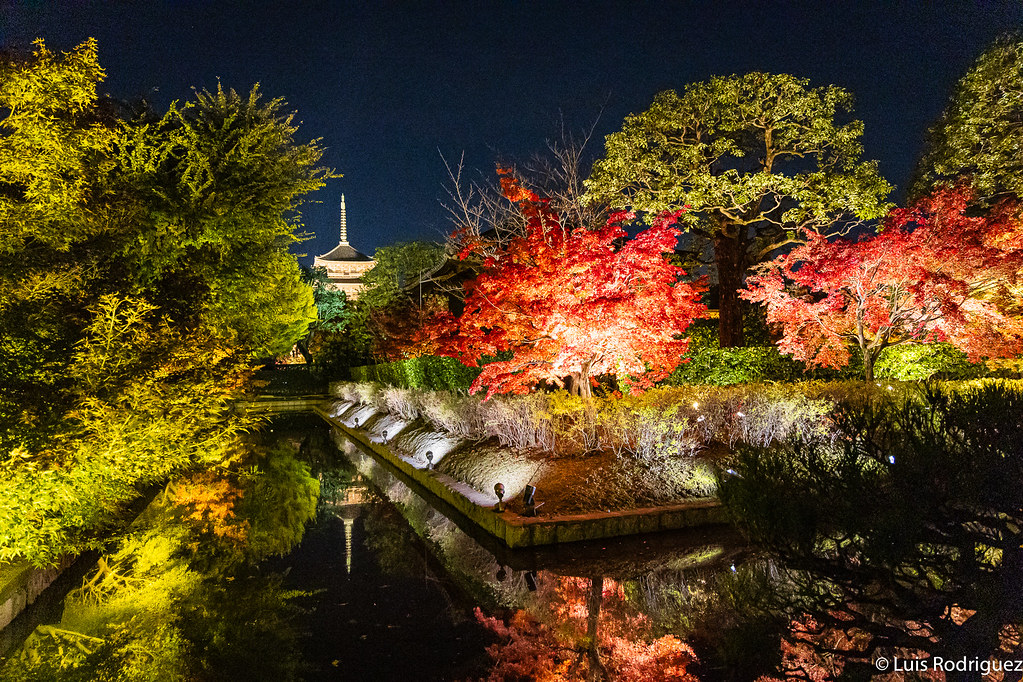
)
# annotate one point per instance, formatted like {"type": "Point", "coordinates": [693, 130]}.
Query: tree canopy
{"type": "Point", "coordinates": [979, 135]}
{"type": "Point", "coordinates": [396, 267]}
{"type": "Point", "coordinates": [934, 274]}
{"type": "Point", "coordinates": [143, 266]}
{"type": "Point", "coordinates": [754, 160]}
{"type": "Point", "coordinates": [573, 303]}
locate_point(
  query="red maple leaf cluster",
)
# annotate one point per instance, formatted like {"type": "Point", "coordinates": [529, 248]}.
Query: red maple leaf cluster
{"type": "Point", "coordinates": [571, 304]}
{"type": "Point", "coordinates": [935, 273]}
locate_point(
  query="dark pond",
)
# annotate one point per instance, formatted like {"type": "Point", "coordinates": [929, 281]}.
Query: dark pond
{"type": "Point", "coordinates": [380, 586]}
{"type": "Point", "coordinates": [398, 583]}
{"type": "Point", "coordinates": [858, 569]}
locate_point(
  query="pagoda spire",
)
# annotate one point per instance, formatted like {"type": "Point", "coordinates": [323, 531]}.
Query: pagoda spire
{"type": "Point", "coordinates": [344, 222]}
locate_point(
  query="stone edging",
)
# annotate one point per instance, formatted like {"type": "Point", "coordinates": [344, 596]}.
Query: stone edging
{"type": "Point", "coordinates": [23, 585]}
{"type": "Point", "coordinates": [518, 531]}
{"type": "Point", "coordinates": [277, 404]}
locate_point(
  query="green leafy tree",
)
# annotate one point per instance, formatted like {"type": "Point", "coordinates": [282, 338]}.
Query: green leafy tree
{"type": "Point", "coordinates": [143, 265]}
{"type": "Point", "coordinates": [334, 312]}
{"type": "Point", "coordinates": [979, 135]}
{"type": "Point", "coordinates": [754, 159]}
{"type": "Point", "coordinates": [219, 181]}
{"type": "Point", "coordinates": [333, 308]}
{"type": "Point", "coordinates": [262, 305]}
{"type": "Point", "coordinates": [55, 149]}
{"type": "Point", "coordinates": [53, 146]}
{"type": "Point", "coordinates": [397, 266]}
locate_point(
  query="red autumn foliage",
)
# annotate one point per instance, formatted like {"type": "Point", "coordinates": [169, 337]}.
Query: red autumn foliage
{"type": "Point", "coordinates": [934, 274]}
{"type": "Point", "coordinates": [593, 634]}
{"type": "Point", "coordinates": [403, 329]}
{"type": "Point", "coordinates": [571, 304]}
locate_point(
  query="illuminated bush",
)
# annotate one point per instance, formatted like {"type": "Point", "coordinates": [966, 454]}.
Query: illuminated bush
{"type": "Point", "coordinates": [456, 414]}
{"type": "Point", "coordinates": [915, 362]}
{"type": "Point", "coordinates": [519, 422]}
{"type": "Point", "coordinates": [401, 402]}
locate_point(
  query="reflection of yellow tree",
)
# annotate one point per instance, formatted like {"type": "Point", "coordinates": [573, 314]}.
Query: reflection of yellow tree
{"type": "Point", "coordinates": [595, 634]}
{"type": "Point", "coordinates": [166, 603]}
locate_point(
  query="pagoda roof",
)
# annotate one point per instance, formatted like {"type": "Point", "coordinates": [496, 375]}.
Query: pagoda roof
{"type": "Point", "coordinates": [344, 252]}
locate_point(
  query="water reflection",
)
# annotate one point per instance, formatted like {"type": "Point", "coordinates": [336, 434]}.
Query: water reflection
{"type": "Point", "coordinates": [347, 506]}
{"type": "Point", "coordinates": [179, 595]}
{"type": "Point", "coordinates": [899, 548]}
{"type": "Point", "coordinates": [615, 610]}
{"type": "Point", "coordinates": [313, 561]}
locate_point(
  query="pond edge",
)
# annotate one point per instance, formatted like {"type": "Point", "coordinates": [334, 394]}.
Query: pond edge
{"type": "Point", "coordinates": [516, 531]}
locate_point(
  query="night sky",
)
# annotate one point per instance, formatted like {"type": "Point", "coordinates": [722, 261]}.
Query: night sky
{"type": "Point", "coordinates": [390, 87]}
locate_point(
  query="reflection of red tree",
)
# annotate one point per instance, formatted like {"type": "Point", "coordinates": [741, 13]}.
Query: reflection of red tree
{"type": "Point", "coordinates": [595, 635]}
{"type": "Point", "coordinates": [820, 653]}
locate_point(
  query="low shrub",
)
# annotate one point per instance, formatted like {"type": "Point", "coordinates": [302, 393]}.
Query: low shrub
{"type": "Point", "coordinates": [920, 361]}
{"type": "Point", "coordinates": [519, 422]}
{"type": "Point", "coordinates": [426, 372]}
{"type": "Point", "coordinates": [401, 402]}
{"type": "Point", "coordinates": [456, 414]}
{"type": "Point", "coordinates": [668, 421]}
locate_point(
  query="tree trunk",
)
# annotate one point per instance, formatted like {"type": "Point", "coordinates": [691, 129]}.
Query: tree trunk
{"type": "Point", "coordinates": [585, 390]}
{"type": "Point", "coordinates": [596, 596]}
{"type": "Point", "coordinates": [868, 363]}
{"type": "Point", "coordinates": [730, 259]}
{"type": "Point", "coordinates": [303, 348]}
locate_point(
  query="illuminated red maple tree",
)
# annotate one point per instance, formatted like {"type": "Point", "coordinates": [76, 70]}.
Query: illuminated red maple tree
{"type": "Point", "coordinates": [572, 304]}
{"type": "Point", "coordinates": [934, 274]}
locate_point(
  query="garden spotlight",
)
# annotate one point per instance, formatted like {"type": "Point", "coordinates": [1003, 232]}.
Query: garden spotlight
{"type": "Point", "coordinates": [499, 491]}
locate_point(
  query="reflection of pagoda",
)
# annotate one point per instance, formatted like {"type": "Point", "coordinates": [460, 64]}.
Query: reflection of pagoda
{"type": "Point", "coordinates": [345, 266]}
{"type": "Point", "coordinates": [347, 507]}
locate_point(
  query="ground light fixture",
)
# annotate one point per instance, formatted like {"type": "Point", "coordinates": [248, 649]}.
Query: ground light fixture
{"type": "Point", "coordinates": [528, 502]}
{"type": "Point", "coordinates": [499, 491]}
{"type": "Point", "coordinates": [429, 459]}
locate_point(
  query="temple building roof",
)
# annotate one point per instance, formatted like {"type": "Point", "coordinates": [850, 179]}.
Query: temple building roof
{"type": "Point", "coordinates": [344, 251]}
{"type": "Point", "coordinates": [345, 265]}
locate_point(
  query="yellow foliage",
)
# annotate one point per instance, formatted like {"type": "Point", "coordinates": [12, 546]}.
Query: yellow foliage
{"type": "Point", "coordinates": [209, 500]}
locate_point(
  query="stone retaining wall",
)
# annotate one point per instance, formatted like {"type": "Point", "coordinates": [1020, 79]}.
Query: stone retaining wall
{"type": "Point", "coordinates": [21, 584]}
{"type": "Point", "coordinates": [518, 531]}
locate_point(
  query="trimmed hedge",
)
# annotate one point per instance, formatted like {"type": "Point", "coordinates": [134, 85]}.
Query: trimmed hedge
{"type": "Point", "coordinates": [427, 372]}
{"type": "Point", "coordinates": [708, 363]}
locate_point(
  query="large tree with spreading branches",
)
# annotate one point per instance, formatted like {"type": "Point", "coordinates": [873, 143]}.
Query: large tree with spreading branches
{"type": "Point", "coordinates": [979, 137]}
{"type": "Point", "coordinates": [935, 273]}
{"type": "Point", "coordinates": [756, 160]}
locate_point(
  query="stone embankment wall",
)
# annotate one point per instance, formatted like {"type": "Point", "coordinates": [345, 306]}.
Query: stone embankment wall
{"type": "Point", "coordinates": [21, 583]}
{"type": "Point", "coordinates": [362, 425]}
